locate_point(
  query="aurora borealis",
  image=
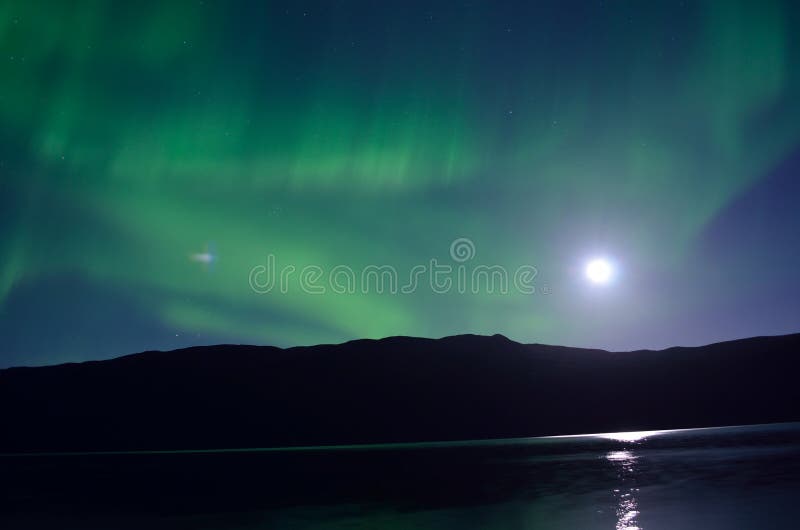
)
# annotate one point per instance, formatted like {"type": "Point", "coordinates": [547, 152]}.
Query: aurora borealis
{"type": "Point", "coordinates": [136, 135]}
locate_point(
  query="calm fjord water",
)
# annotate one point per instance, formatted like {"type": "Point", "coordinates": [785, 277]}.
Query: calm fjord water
{"type": "Point", "coordinates": [732, 477]}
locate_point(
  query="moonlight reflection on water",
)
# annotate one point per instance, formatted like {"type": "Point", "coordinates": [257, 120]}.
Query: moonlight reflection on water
{"type": "Point", "coordinates": [627, 504]}
{"type": "Point", "coordinates": [717, 479]}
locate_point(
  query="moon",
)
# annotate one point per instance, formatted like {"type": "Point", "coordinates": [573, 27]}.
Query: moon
{"type": "Point", "coordinates": [599, 271]}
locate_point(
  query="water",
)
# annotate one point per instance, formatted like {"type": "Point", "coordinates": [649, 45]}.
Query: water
{"type": "Point", "coordinates": [734, 477]}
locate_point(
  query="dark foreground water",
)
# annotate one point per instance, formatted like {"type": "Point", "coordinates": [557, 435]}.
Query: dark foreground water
{"type": "Point", "coordinates": [733, 477]}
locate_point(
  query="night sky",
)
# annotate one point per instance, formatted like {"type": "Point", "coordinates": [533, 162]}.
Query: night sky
{"type": "Point", "coordinates": [154, 153]}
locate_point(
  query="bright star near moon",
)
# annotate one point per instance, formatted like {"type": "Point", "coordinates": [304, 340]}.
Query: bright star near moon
{"type": "Point", "coordinates": [599, 271]}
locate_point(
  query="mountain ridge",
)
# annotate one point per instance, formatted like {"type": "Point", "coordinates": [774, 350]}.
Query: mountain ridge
{"type": "Point", "coordinates": [395, 389]}
{"type": "Point", "coordinates": [400, 337]}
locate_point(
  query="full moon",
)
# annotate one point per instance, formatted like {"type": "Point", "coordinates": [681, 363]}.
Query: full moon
{"type": "Point", "coordinates": [599, 271]}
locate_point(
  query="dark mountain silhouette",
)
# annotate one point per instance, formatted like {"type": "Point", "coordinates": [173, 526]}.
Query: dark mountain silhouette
{"type": "Point", "coordinates": [391, 390]}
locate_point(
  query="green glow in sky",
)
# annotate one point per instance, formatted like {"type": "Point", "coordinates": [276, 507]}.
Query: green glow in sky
{"type": "Point", "coordinates": [135, 136]}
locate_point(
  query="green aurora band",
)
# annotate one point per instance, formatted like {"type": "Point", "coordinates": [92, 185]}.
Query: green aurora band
{"type": "Point", "coordinates": [134, 135]}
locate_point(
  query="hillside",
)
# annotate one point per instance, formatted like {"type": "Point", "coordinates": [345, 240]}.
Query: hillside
{"type": "Point", "coordinates": [391, 390]}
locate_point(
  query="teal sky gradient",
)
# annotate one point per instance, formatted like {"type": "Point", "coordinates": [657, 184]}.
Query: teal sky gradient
{"type": "Point", "coordinates": [134, 136]}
